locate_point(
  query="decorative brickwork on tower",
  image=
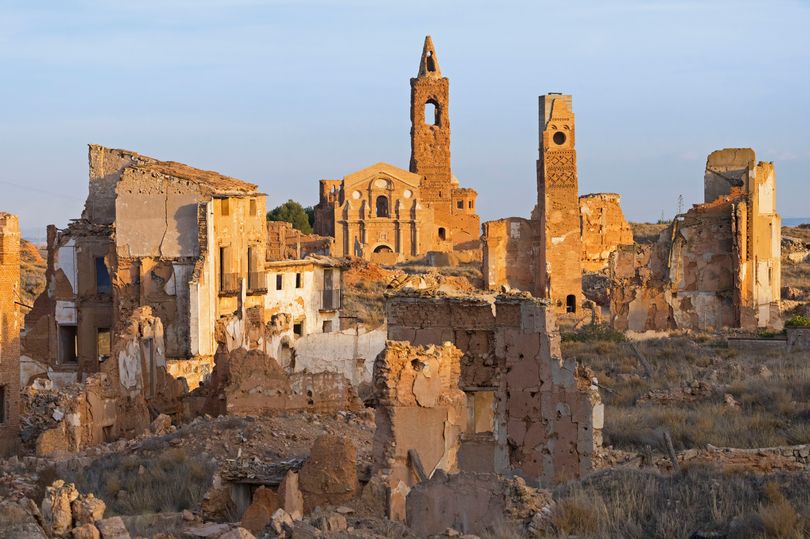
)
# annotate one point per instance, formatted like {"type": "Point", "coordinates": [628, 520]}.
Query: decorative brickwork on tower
{"type": "Point", "coordinates": [560, 267]}
{"type": "Point", "coordinates": [9, 334]}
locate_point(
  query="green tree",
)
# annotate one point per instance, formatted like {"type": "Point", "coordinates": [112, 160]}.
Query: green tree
{"type": "Point", "coordinates": [292, 212]}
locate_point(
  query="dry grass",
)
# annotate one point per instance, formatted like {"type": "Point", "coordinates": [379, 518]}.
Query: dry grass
{"type": "Point", "coordinates": [647, 232]}
{"type": "Point", "coordinates": [133, 485]}
{"type": "Point", "coordinates": [635, 503]}
{"type": "Point", "coordinates": [364, 304]}
{"type": "Point", "coordinates": [774, 402]}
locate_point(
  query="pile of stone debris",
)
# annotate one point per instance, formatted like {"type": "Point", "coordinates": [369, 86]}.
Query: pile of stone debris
{"type": "Point", "coordinates": [42, 407]}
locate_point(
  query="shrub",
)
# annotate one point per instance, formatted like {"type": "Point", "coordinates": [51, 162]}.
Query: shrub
{"type": "Point", "coordinates": [593, 333]}
{"type": "Point", "coordinates": [135, 485]}
{"type": "Point", "coordinates": [798, 321]}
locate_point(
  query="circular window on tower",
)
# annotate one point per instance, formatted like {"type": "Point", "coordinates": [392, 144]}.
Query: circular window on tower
{"type": "Point", "coordinates": [407, 193]}
{"type": "Point", "coordinates": [558, 138]}
{"type": "Point", "coordinates": [356, 195]}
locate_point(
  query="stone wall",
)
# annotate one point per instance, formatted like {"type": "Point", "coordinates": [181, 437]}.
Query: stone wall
{"type": "Point", "coordinates": [9, 334]}
{"type": "Point", "coordinates": [534, 413]}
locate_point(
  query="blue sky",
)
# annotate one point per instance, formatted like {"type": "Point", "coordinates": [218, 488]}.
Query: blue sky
{"type": "Point", "coordinates": [284, 93]}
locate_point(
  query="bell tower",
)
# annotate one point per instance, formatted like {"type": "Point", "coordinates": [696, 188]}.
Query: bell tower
{"type": "Point", "coordinates": [430, 129]}
{"type": "Point", "coordinates": [560, 266]}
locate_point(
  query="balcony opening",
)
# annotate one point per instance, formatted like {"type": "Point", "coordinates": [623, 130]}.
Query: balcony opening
{"type": "Point", "coordinates": [442, 233]}
{"type": "Point", "coordinates": [279, 281]}
{"type": "Point", "coordinates": [103, 282]}
{"type": "Point", "coordinates": [570, 303]}
{"type": "Point", "coordinates": [299, 280]}
{"type": "Point", "coordinates": [68, 345]}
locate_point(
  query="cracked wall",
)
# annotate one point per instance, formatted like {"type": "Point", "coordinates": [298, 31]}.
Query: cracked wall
{"type": "Point", "coordinates": [529, 411]}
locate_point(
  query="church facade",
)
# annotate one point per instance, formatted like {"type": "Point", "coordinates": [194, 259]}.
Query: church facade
{"type": "Point", "coordinates": [387, 214]}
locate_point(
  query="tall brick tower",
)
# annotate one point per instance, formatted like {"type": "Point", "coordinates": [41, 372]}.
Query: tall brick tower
{"type": "Point", "coordinates": [9, 334]}
{"type": "Point", "coordinates": [560, 267]}
{"type": "Point", "coordinates": [430, 130]}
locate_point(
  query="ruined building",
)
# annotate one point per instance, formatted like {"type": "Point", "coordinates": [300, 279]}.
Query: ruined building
{"type": "Point", "coordinates": [387, 214]}
{"type": "Point", "coordinates": [567, 234]}
{"type": "Point", "coordinates": [499, 399]}
{"type": "Point", "coordinates": [718, 265]}
{"type": "Point", "coordinates": [175, 258]}
{"type": "Point", "coordinates": [185, 242]}
{"type": "Point", "coordinates": [9, 333]}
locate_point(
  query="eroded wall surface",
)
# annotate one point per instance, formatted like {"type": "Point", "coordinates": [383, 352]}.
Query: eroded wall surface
{"type": "Point", "coordinates": [603, 228]}
{"type": "Point", "coordinates": [718, 265]}
{"type": "Point", "coordinates": [532, 412]}
{"type": "Point", "coordinates": [510, 254]}
{"type": "Point", "coordinates": [249, 382]}
{"type": "Point", "coordinates": [10, 320]}
{"type": "Point", "coordinates": [419, 408]}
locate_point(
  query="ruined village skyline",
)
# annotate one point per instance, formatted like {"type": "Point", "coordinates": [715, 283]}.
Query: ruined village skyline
{"type": "Point", "coordinates": [467, 334]}
{"type": "Point", "coordinates": [259, 100]}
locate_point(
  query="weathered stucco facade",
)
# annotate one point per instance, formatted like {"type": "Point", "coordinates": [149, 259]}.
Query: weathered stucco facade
{"type": "Point", "coordinates": [528, 410]}
{"type": "Point", "coordinates": [10, 319]}
{"type": "Point", "coordinates": [166, 268]}
{"type": "Point", "coordinates": [387, 214]}
{"type": "Point", "coordinates": [718, 265]}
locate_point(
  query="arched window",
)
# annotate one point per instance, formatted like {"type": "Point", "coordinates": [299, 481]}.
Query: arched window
{"type": "Point", "coordinates": [383, 249]}
{"type": "Point", "coordinates": [382, 206]}
{"type": "Point", "coordinates": [442, 233]}
{"type": "Point", "coordinates": [433, 113]}
{"type": "Point", "coordinates": [431, 61]}
{"type": "Point", "coordinates": [570, 303]}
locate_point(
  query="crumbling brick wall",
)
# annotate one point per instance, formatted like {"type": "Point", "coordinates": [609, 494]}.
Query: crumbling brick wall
{"type": "Point", "coordinates": [9, 333]}
{"type": "Point", "coordinates": [510, 254]}
{"type": "Point", "coordinates": [419, 408]}
{"type": "Point", "coordinates": [716, 266]}
{"type": "Point", "coordinates": [287, 243]}
{"type": "Point", "coordinates": [249, 382]}
{"type": "Point", "coordinates": [603, 228]}
{"type": "Point", "coordinates": [542, 417]}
